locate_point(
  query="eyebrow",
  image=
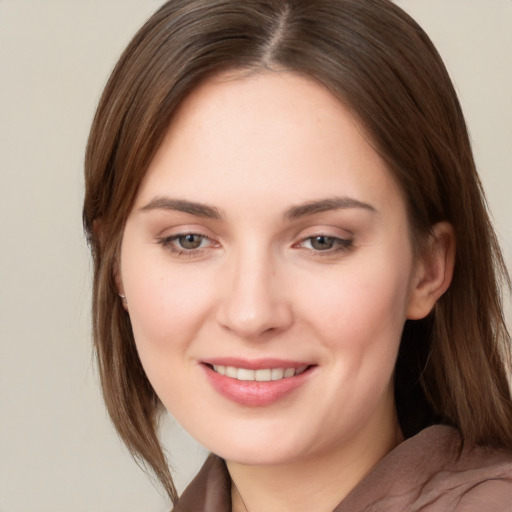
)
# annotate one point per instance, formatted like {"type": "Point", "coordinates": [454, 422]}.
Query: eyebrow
{"type": "Point", "coordinates": [182, 205]}
{"type": "Point", "coordinates": [323, 205]}
{"type": "Point", "coordinates": [295, 212]}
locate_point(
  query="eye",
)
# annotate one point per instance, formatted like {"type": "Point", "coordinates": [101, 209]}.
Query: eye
{"type": "Point", "coordinates": [190, 241]}
{"type": "Point", "coordinates": [187, 244]}
{"type": "Point", "coordinates": [322, 243]}
{"type": "Point", "coordinates": [325, 244]}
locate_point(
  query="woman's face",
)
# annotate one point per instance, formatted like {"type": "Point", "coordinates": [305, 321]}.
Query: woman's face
{"type": "Point", "coordinates": [268, 270]}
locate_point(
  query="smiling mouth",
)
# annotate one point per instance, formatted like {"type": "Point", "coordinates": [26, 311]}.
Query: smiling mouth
{"type": "Point", "coordinates": [257, 383]}
{"type": "Point", "coordinates": [260, 375]}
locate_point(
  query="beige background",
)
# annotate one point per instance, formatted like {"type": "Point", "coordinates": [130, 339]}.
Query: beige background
{"type": "Point", "coordinates": [58, 451]}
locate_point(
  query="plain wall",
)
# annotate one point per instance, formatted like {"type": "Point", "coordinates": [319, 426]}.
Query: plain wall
{"type": "Point", "coordinates": [58, 451]}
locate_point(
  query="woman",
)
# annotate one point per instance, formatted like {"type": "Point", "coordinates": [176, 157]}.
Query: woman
{"type": "Point", "coordinates": [293, 256]}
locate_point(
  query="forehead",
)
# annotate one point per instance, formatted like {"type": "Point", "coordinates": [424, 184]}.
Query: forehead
{"type": "Point", "coordinates": [248, 102]}
{"type": "Point", "coordinates": [273, 134]}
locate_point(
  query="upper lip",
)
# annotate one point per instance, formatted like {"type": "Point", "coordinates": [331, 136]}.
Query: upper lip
{"type": "Point", "coordinates": [256, 364]}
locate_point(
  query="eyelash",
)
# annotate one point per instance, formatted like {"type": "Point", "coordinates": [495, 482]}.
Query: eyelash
{"type": "Point", "coordinates": [170, 242]}
{"type": "Point", "coordinates": [339, 245]}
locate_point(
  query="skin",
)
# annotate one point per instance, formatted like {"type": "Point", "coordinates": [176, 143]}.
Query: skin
{"type": "Point", "coordinates": [257, 282]}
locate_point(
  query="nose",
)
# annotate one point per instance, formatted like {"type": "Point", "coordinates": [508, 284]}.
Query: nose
{"type": "Point", "coordinates": [253, 300]}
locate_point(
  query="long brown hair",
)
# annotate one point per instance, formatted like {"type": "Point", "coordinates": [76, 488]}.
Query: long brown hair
{"type": "Point", "coordinates": [369, 53]}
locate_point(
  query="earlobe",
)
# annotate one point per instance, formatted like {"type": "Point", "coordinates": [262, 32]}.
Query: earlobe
{"type": "Point", "coordinates": [434, 271]}
{"type": "Point", "coordinates": [124, 301]}
{"type": "Point", "coordinates": [99, 233]}
{"type": "Point", "coordinates": [119, 283]}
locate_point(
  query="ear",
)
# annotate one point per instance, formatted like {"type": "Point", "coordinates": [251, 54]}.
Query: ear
{"type": "Point", "coordinates": [119, 283]}
{"type": "Point", "coordinates": [434, 271]}
{"type": "Point", "coordinates": [99, 232]}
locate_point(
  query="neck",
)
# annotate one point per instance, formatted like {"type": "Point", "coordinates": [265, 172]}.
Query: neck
{"type": "Point", "coordinates": [317, 483]}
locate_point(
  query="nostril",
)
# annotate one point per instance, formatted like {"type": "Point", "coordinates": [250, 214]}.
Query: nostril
{"type": "Point", "coordinates": [252, 305]}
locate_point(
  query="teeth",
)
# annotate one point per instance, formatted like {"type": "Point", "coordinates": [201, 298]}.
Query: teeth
{"type": "Point", "coordinates": [277, 373]}
{"type": "Point", "coordinates": [289, 372]}
{"type": "Point", "coordinates": [244, 374]}
{"type": "Point", "coordinates": [263, 375]}
{"type": "Point", "coordinates": [220, 369]}
{"type": "Point", "coordinates": [231, 371]}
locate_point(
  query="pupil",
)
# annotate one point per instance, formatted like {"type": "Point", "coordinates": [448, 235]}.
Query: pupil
{"type": "Point", "coordinates": [190, 241]}
{"type": "Point", "coordinates": [322, 242]}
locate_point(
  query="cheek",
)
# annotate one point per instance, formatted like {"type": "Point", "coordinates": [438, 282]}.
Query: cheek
{"type": "Point", "coordinates": [363, 309]}
{"type": "Point", "coordinates": [165, 316]}
{"type": "Point", "coordinates": [360, 322]}
{"type": "Point", "coordinates": [163, 305]}
{"type": "Point", "coordinates": [166, 311]}
{"type": "Point", "coordinates": [160, 312]}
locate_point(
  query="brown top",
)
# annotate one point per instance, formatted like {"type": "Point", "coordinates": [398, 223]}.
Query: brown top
{"type": "Point", "coordinates": [422, 474]}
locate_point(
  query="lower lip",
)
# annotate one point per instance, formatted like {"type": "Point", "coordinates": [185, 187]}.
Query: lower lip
{"type": "Point", "coordinates": [255, 393]}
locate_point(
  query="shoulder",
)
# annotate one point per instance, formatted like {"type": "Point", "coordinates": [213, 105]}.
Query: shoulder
{"type": "Point", "coordinates": [209, 491]}
{"type": "Point", "coordinates": [479, 479]}
{"type": "Point", "coordinates": [431, 472]}
{"type": "Point", "coordinates": [494, 495]}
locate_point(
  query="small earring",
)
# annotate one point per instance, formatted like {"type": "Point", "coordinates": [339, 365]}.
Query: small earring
{"type": "Point", "coordinates": [123, 298]}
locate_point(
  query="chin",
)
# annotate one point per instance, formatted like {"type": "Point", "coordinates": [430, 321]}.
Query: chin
{"type": "Point", "coordinates": [258, 450]}
{"type": "Point", "coordinates": [250, 456]}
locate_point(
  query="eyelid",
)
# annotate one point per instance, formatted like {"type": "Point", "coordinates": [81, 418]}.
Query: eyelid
{"type": "Point", "coordinates": [168, 243]}
{"type": "Point", "coordinates": [341, 243]}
